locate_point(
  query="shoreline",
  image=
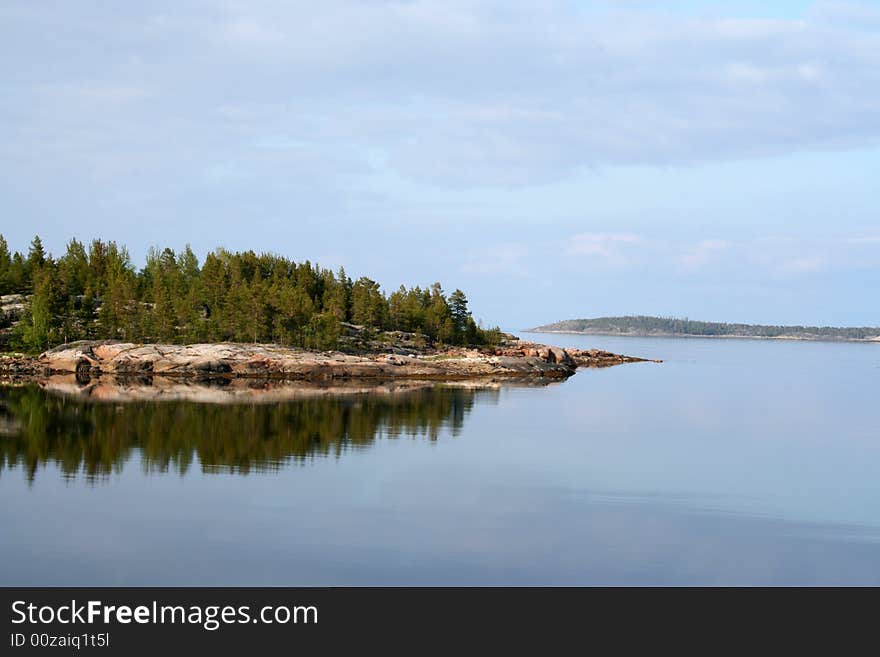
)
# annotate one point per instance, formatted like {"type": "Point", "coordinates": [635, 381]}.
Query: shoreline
{"type": "Point", "coordinates": [87, 360]}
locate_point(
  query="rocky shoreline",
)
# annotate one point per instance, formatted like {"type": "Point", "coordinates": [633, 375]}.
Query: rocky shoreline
{"type": "Point", "coordinates": [91, 359]}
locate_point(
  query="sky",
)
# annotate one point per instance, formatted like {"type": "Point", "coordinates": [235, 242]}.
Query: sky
{"type": "Point", "coordinates": [716, 160]}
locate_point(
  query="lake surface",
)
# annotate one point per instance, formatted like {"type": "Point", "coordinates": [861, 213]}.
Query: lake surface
{"type": "Point", "coordinates": [733, 462]}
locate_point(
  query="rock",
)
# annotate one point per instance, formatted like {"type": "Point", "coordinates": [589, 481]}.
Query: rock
{"type": "Point", "coordinates": [561, 356]}
{"type": "Point", "coordinates": [263, 361]}
{"type": "Point", "coordinates": [16, 367]}
{"type": "Point", "coordinates": [272, 361]}
{"type": "Point", "coordinates": [600, 358]}
{"type": "Point", "coordinates": [73, 357]}
{"type": "Point", "coordinates": [12, 307]}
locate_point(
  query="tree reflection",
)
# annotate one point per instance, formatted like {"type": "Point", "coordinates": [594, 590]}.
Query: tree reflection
{"type": "Point", "coordinates": [94, 439]}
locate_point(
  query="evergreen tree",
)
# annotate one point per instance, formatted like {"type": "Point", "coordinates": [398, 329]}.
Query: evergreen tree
{"type": "Point", "coordinates": [458, 309]}
{"type": "Point", "coordinates": [368, 306]}
{"type": "Point", "coordinates": [36, 254]}
{"type": "Point", "coordinates": [41, 323]}
{"type": "Point", "coordinates": [73, 269]}
{"type": "Point", "coordinates": [244, 297]}
{"type": "Point", "coordinates": [18, 276]}
{"type": "Point", "coordinates": [5, 264]}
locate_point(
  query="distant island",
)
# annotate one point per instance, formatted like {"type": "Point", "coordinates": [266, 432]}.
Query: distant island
{"type": "Point", "coordinates": [646, 326]}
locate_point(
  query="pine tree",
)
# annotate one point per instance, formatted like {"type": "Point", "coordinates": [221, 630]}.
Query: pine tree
{"type": "Point", "coordinates": [96, 292]}
{"type": "Point", "coordinates": [458, 309]}
{"type": "Point", "coordinates": [36, 254]}
{"type": "Point", "coordinates": [39, 327]}
{"type": "Point", "coordinates": [5, 264]}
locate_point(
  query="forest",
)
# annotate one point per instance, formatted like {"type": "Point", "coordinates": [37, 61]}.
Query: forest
{"type": "Point", "coordinates": [94, 291]}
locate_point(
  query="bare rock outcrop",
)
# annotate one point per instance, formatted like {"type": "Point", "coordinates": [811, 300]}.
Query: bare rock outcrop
{"type": "Point", "coordinates": [91, 358]}
{"type": "Point", "coordinates": [12, 307]}
{"type": "Point", "coordinates": [567, 357]}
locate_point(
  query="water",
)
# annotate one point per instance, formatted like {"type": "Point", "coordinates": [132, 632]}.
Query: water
{"type": "Point", "coordinates": [733, 462]}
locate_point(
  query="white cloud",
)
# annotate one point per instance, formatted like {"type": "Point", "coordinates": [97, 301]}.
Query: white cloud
{"type": "Point", "coordinates": [864, 239]}
{"type": "Point", "coordinates": [802, 265]}
{"type": "Point", "coordinates": [729, 259]}
{"type": "Point", "coordinates": [849, 14]}
{"type": "Point", "coordinates": [452, 93]}
{"type": "Point", "coordinates": [609, 249]}
{"type": "Point", "coordinates": [703, 253]}
{"type": "Point", "coordinates": [503, 259]}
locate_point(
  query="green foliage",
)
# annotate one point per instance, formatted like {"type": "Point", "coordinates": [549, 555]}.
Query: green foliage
{"type": "Point", "coordinates": [322, 331]}
{"type": "Point", "coordinates": [368, 305]}
{"type": "Point", "coordinates": [5, 265]}
{"type": "Point", "coordinates": [458, 310]}
{"type": "Point", "coordinates": [96, 292]}
{"type": "Point", "coordinates": [42, 323]}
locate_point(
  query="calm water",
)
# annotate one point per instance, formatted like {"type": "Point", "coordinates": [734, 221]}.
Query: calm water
{"type": "Point", "coordinates": [734, 462]}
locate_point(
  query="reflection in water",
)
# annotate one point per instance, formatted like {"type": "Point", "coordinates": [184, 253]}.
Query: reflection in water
{"type": "Point", "coordinates": [735, 462]}
{"type": "Point", "coordinates": [81, 436]}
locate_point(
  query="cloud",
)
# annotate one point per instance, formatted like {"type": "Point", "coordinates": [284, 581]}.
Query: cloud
{"type": "Point", "coordinates": [703, 253]}
{"type": "Point", "coordinates": [450, 93]}
{"type": "Point", "coordinates": [864, 239]}
{"type": "Point", "coordinates": [608, 249]}
{"type": "Point", "coordinates": [803, 265]}
{"type": "Point", "coordinates": [503, 259]}
{"type": "Point", "coordinates": [848, 14]}
{"type": "Point", "coordinates": [760, 256]}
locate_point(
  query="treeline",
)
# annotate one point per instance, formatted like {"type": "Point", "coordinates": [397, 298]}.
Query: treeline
{"type": "Point", "coordinates": [646, 325]}
{"type": "Point", "coordinates": [95, 292]}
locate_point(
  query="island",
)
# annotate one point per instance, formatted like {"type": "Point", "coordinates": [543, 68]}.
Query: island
{"type": "Point", "coordinates": [647, 326]}
{"type": "Point", "coordinates": [92, 313]}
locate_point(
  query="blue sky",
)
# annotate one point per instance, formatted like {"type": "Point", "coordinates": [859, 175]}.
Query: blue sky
{"type": "Point", "coordinates": [715, 160]}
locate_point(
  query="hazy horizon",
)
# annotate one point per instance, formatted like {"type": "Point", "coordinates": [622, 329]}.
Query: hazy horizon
{"type": "Point", "coordinates": [571, 159]}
